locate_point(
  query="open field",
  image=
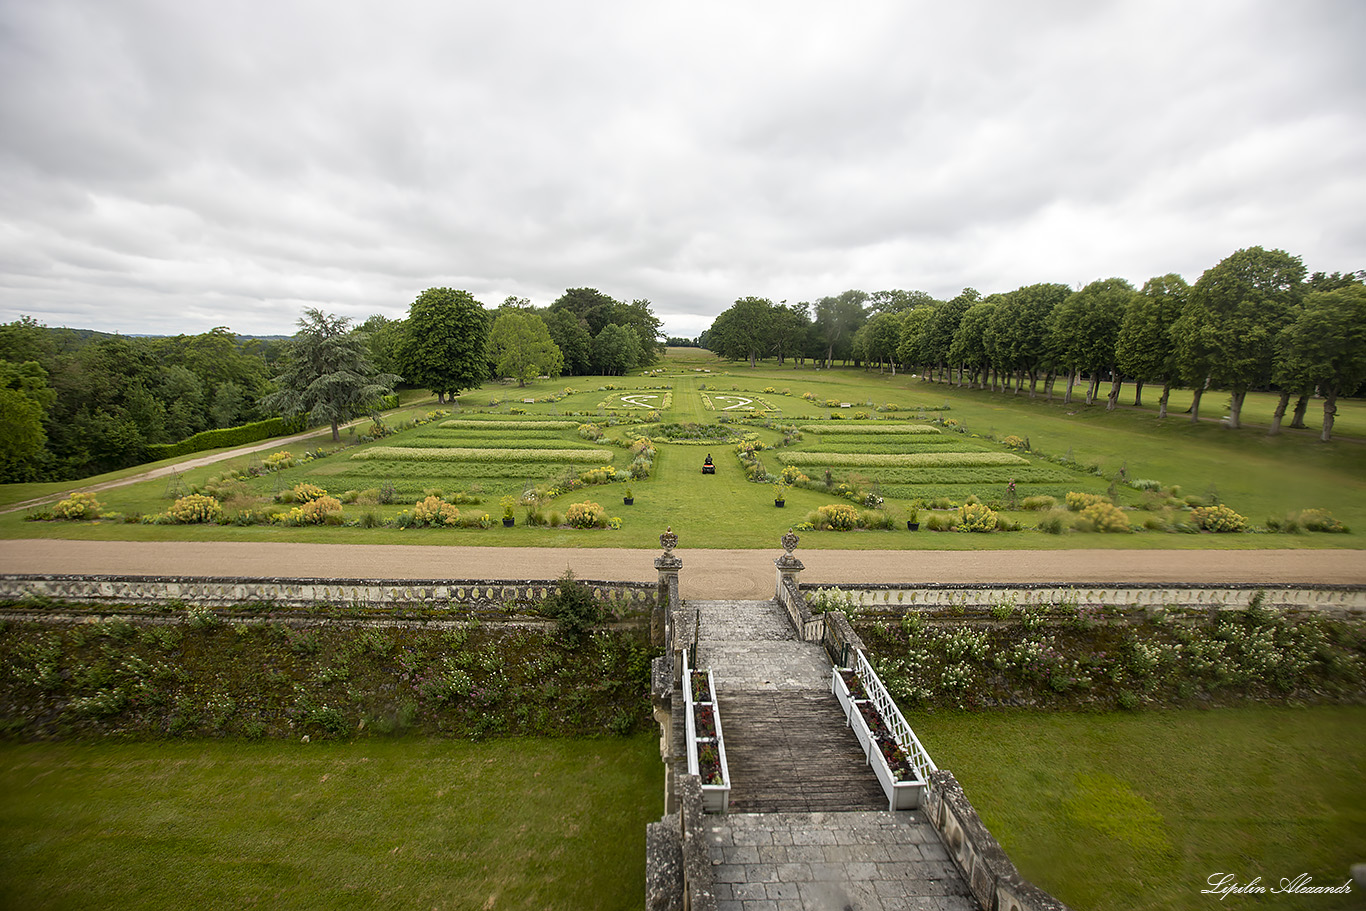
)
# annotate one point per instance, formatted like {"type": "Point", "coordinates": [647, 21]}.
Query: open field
{"type": "Point", "coordinates": [411, 823]}
{"type": "Point", "coordinates": [1134, 812]}
{"type": "Point", "coordinates": [911, 442]}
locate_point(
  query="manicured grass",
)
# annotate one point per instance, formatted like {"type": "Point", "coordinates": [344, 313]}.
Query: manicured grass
{"type": "Point", "coordinates": [1072, 447]}
{"type": "Point", "coordinates": [541, 823]}
{"type": "Point", "coordinates": [1134, 812]}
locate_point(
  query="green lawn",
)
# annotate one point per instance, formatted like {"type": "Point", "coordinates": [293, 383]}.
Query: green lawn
{"type": "Point", "coordinates": [1257, 475]}
{"type": "Point", "coordinates": [374, 824]}
{"type": "Point", "coordinates": [1133, 812]}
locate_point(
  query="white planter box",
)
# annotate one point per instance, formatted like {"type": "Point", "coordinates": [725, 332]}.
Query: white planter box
{"type": "Point", "coordinates": [715, 797]}
{"type": "Point", "coordinates": [901, 795]}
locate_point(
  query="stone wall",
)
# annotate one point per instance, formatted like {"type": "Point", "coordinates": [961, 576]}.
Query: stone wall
{"type": "Point", "coordinates": [1338, 601]}
{"type": "Point", "coordinates": [468, 597]}
{"type": "Point", "coordinates": [993, 879]}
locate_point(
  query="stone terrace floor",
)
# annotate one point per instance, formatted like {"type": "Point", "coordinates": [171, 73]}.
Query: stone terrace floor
{"type": "Point", "coordinates": [851, 861]}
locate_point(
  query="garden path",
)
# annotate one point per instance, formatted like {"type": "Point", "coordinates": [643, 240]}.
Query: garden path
{"type": "Point", "coordinates": [706, 573]}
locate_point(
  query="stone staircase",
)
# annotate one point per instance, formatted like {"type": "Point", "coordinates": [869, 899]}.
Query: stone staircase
{"type": "Point", "coordinates": [787, 743]}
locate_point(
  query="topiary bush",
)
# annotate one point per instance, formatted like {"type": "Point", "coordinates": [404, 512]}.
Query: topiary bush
{"type": "Point", "coordinates": [1218, 519]}
{"type": "Point", "coordinates": [196, 508]}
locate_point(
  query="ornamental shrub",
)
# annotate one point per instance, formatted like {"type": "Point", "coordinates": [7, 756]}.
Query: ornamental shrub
{"type": "Point", "coordinates": [1013, 442]}
{"type": "Point", "coordinates": [196, 508]}
{"type": "Point", "coordinates": [434, 512]}
{"type": "Point", "coordinates": [78, 506]}
{"type": "Point", "coordinates": [837, 517]}
{"type": "Point", "coordinates": [278, 461]}
{"type": "Point", "coordinates": [792, 475]}
{"type": "Point", "coordinates": [1104, 517]}
{"type": "Point", "coordinates": [1218, 519]}
{"type": "Point", "coordinates": [585, 515]}
{"type": "Point", "coordinates": [323, 510]}
{"type": "Point", "coordinates": [976, 517]}
{"type": "Point", "coordinates": [1038, 503]}
{"type": "Point", "coordinates": [1320, 520]}
{"type": "Point", "coordinates": [1079, 501]}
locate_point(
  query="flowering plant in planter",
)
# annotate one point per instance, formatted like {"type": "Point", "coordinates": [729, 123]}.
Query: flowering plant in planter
{"type": "Point", "coordinates": [701, 689]}
{"type": "Point", "coordinates": [705, 721]}
{"type": "Point", "coordinates": [709, 763]}
{"type": "Point", "coordinates": [873, 718]}
{"type": "Point", "coordinates": [855, 685]}
{"type": "Point", "coordinates": [896, 759]}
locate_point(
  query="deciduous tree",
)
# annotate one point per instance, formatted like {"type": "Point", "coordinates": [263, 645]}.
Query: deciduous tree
{"type": "Point", "coordinates": [1325, 346]}
{"type": "Point", "coordinates": [447, 345]}
{"type": "Point", "coordinates": [521, 347]}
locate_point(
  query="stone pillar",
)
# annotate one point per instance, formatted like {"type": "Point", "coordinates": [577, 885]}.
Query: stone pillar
{"type": "Point", "coordinates": [788, 566]}
{"type": "Point", "coordinates": [668, 566]}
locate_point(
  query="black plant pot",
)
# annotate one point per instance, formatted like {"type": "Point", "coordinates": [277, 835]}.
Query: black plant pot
{"type": "Point", "coordinates": [629, 501]}
{"type": "Point", "coordinates": [780, 503]}
{"type": "Point", "coordinates": [507, 523]}
{"type": "Point", "coordinates": [912, 526]}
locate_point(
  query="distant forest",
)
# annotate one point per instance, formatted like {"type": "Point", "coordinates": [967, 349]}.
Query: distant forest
{"type": "Point", "coordinates": [76, 402]}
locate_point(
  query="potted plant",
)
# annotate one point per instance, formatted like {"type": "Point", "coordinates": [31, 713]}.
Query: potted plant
{"type": "Point", "coordinates": [780, 495]}
{"type": "Point", "coordinates": [913, 520]}
{"type": "Point", "coordinates": [508, 504]}
{"type": "Point", "coordinates": [628, 498]}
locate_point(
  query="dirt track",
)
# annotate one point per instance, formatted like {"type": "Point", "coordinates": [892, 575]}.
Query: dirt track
{"type": "Point", "coordinates": [741, 574]}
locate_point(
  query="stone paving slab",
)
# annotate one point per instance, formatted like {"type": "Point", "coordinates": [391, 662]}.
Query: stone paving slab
{"type": "Point", "coordinates": [860, 861]}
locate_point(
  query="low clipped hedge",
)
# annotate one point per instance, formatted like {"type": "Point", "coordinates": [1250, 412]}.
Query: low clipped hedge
{"type": "Point", "coordinates": [467, 454]}
{"type": "Point", "coordinates": [226, 436]}
{"type": "Point", "coordinates": [909, 459]}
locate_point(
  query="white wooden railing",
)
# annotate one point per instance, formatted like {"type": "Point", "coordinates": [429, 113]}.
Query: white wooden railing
{"type": "Point", "coordinates": [896, 723]}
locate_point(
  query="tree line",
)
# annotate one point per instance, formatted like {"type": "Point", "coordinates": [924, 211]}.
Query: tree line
{"type": "Point", "coordinates": [1253, 321]}
{"type": "Point", "coordinates": [76, 403]}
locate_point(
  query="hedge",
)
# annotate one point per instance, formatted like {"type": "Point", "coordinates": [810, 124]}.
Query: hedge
{"type": "Point", "coordinates": [226, 436]}
{"type": "Point", "coordinates": [903, 460]}
{"type": "Point", "coordinates": [454, 454]}
{"type": "Point", "coordinates": [831, 429]}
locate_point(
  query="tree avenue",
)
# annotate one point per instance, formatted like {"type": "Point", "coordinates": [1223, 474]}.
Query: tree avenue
{"type": "Point", "coordinates": [1230, 331]}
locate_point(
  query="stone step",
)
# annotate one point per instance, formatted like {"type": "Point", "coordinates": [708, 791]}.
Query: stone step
{"type": "Point", "coordinates": [793, 751]}
{"type": "Point", "coordinates": [744, 621]}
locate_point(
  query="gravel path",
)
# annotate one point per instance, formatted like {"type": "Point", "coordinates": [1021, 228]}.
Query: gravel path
{"type": "Point", "coordinates": [710, 574]}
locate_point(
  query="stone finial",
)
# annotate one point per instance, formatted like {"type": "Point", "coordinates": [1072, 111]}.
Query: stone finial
{"type": "Point", "coordinates": [668, 540]}
{"type": "Point", "coordinates": [789, 541]}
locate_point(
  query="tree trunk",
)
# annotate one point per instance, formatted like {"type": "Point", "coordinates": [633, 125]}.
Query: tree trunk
{"type": "Point", "coordinates": [1162, 402]}
{"type": "Point", "coordinates": [1330, 411]}
{"type": "Point", "coordinates": [441, 398]}
{"type": "Point", "coordinates": [1113, 401]}
{"type": "Point", "coordinates": [1301, 406]}
{"type": "Point", "coordinates": [1195, 404]}
{"type": "Point", "coordinates": [1071, 381]}
{"type": "Point", "coordinates": [1049, 378]}
{"type": "Point", "coordinates": [336, 432]}
{"type": "Point", "coordinates": [1235, 407]}
{"type": "Point", "coordinates": [1279, 414]}
{"type": "Point", "coordinates": [1092, 387]}
{"type": "Point", "coordinates": [1138, 393]}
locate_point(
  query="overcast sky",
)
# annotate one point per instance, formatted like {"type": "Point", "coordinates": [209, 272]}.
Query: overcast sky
{"type": "Point", "coordinates": [173, 166]}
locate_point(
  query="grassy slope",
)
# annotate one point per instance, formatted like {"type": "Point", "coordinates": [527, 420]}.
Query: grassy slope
{"type": "Point", "coordinates": [1258, 475]}
{"type": "Point", "coordinates": [1134, 812]}
{"type": "Point", "coordinates": [373, 824]}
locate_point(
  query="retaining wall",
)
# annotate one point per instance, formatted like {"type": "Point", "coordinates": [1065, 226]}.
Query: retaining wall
{"type": "Point", "coordinates": [465, 596]}
{"type": "Point", "coordinates": [1341, 601]}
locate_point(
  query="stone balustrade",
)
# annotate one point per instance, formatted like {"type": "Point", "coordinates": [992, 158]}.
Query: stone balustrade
{"type": "Point", "coordinates": [1337, 601]}
{"type": "Point", "coordinates": [469, 596]}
